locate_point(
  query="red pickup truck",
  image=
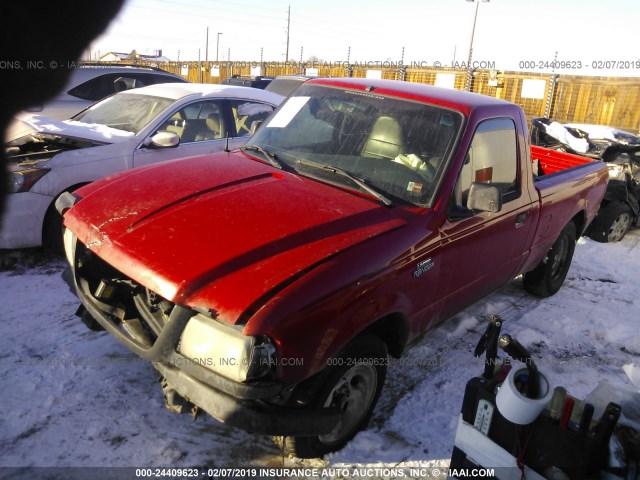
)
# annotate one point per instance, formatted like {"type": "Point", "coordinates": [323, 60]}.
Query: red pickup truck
{"type": "Point", "coordinates": [269, 284]}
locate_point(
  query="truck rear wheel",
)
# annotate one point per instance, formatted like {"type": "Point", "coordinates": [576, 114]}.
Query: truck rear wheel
{"type": "Point", "coordinates": [611, 223]}
{"type": "Point", "coordinates": [353, 384]}
{"type": "Point", "coordinates": [547, 278]}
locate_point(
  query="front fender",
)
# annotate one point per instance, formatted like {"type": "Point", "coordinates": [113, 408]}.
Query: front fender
{"type": "Point", "coordinates": [314, 318]}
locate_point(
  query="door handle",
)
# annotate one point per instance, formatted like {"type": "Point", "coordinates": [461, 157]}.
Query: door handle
{"type": "Point", "coordinates": [521, 218]}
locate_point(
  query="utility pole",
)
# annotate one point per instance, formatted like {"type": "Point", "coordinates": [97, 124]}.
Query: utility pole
{"type": "Point", "coordinates": [286, 55]}
{"type": "Point", "coordinates": [218, 46]}
{"type": "Point", "coordinates": [473, 31]}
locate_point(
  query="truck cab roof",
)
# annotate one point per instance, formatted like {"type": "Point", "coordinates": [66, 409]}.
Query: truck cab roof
{"type": "Point", "coordinates": [458, 100]}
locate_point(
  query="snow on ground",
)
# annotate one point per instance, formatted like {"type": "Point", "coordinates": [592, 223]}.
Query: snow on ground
{"type": "Point", "coordinates": [72, 397]}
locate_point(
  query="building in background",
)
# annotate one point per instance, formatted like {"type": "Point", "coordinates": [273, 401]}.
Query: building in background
{"type": "Point", "coordinates": [134, 57]}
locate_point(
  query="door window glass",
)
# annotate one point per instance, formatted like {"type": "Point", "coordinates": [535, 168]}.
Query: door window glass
{"type": "Point", "coordinates": [492, 158]}
{"type": "Point", "coordinates": [246, 112]}
{"type": "Point", "coordinates": [197, 122]}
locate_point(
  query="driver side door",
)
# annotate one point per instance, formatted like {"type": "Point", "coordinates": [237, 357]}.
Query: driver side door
{"type": "Point", "coordinates": [484, 249]}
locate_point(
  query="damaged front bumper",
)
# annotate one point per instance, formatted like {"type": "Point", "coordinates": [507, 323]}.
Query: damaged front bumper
{"type": "Point", "coordinates": [255, 406]}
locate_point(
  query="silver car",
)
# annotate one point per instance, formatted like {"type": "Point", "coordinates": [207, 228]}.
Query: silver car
{"type": "Point", "coordinates": [129, 129]}
{"type": "Point", "coordinates": [88, 84]}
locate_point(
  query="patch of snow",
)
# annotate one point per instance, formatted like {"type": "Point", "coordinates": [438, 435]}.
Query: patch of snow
{"type": "Point", "coordinates": [72, 397]}
{"type": "Point", "coordinates": [559, 132]}
{"type": "Point", "coordinates": [633, 372]}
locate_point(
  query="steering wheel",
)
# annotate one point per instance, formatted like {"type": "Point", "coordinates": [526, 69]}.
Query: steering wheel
{"type": "Point", "coordinates": [431, 170]}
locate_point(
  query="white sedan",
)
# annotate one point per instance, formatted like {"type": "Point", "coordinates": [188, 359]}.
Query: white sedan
{"type": "Point", "coordinates": [126, 130]}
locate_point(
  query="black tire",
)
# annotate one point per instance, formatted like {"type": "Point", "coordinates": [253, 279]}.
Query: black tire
{"type": "Point", "coordinates": [355, 386]}
{"type": "Point", "coordinates": [547, 278]}
{"type": "Point", "coordinates": [612, 223]}
{"type": "Point", "coordinates": [52, 229]}
{"type": "Point", "coordinates": [52, 233]}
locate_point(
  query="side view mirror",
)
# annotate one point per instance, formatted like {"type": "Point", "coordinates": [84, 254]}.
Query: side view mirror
{"type": "Point", "coordinates": [254, 126]}
{"type": "Point", "coordinates": [484, 198]}
{"type": "Point", "coordinates": [162, 139]}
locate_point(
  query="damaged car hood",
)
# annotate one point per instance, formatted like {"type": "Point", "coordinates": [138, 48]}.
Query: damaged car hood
{"type": "Point", "coordinates": [225, 232]}
{"type": "Point", "coordinates": [103, 134]}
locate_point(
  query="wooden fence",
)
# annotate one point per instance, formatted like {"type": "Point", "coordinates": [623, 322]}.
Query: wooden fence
{"type": "Point", "coordinates": [613, 101]}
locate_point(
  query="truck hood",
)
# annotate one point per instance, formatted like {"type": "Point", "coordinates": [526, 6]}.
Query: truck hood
{"type": "Point", "coordinates": [226, 233]}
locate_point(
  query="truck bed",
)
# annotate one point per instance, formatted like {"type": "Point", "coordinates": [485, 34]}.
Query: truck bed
{"type": "Point", "coordinates": [561, 180]}
{"type": "Point", "coordinates": [553, 161]}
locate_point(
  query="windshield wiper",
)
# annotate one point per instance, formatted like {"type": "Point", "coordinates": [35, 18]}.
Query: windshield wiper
{"type": "Point", "coordinates": [343, 173]}
{"type": "Point", "coordinates": [272, 157]}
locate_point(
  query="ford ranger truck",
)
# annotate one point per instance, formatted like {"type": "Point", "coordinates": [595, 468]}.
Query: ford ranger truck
{"type": "Point", "coordinates": [268, 285]}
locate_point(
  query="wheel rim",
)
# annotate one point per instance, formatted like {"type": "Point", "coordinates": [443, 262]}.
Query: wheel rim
{"type": "Point", "coordinates": [560, 250]}
{"type": "Point", "coordinates": [353, 393]}
{"type": "Point", "coordinates": [619, 227]}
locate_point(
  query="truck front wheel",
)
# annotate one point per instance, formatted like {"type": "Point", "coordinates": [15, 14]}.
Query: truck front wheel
{"type": "Point", "coordinates": [611, 223]}
{"type": "Point", "coordinates": [353, 384]}
{"type": "Point", "coordinates": [547, 278]}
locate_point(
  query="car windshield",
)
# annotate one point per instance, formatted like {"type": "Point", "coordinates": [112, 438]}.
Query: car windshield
{"type": "Point", "coordinates": [125, 111]}
{"type": "Point", "coordinates": [397, 147]}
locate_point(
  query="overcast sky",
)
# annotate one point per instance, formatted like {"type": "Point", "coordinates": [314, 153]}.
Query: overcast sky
{"type": "Point", "coordinates": [508, 32]}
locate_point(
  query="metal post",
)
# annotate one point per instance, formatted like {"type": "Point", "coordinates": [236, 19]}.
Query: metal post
{"type": "Point", "coordinates": [301, 53]}
{"type": "Point", "coordinates": [218, 46]}
{"type": "Point", "coordinates": [206, 49]}
{"type": "Point", "coordinates": [286, 54]}
{"type": "Point", "coordinates": [552, 89]}
{"type": "Point", "coordinates": [473, 32]}
{"type": "Point", "coordinates": [199, 68]}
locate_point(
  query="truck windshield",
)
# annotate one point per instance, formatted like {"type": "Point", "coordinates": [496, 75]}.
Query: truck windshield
{"type": "Point", "coordinates": [398, 147]}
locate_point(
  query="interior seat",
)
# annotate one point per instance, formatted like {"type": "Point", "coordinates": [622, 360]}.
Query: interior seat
{"type": "Point", "coordinates": [214, 128]}
{"type": "Point", "coordinates": [120, 86]}
{"type": "Point", "coordinates": [385, 139]}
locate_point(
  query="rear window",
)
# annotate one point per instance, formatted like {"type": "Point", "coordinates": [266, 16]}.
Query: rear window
{"type": "Point", "coordinates": [104, 85]}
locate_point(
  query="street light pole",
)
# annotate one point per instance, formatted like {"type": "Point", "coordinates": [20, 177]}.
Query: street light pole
{"type": "Point", "coordinates": [473, 32]}
{"type": "Point", "coordinates": [218, 46]}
